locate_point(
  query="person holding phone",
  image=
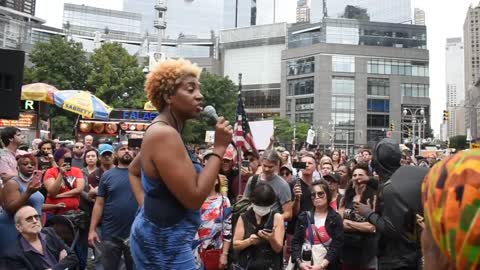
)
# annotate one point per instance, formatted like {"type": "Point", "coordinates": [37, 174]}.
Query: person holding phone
{"type": "Point", "coordinates": [45, 158]}
{"type": "Point", "coordinates": [64, 183]}
{"type": "Point", "coordinates": [19, 191]}
{"type": "Point", "coordinates": [259, 232]}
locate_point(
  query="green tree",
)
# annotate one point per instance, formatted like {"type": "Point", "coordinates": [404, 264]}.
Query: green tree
{"type": "Point", "coordinates": [284, 130]}
{"type": "Point", "coordinates": [64, 65]}
{"type": "Point", "coordinates": [354, 12]}
{"type": "Point", "coordinates": [116, 78]}
{"type": "Point", "coordinates": [458, 142]}
{"type": "Point", "coordinates": [221, 93]}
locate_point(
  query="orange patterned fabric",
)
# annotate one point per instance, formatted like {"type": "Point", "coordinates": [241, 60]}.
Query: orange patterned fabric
{"type": "Point", "coordinates": [451, 199]}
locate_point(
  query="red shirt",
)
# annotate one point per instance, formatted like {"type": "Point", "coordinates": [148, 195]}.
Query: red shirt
{"type": "Point", "coordinates": [71, 203]}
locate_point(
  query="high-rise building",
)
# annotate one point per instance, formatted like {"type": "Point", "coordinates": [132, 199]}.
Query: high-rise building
{"type": "Point", "coordinates": [472, 69]}
{"type": "Point", "coordinates": [86, 20]}
{"type": "Point", "coordinates": [354, 80]}
{"type": "Point", "coordinates": [275, 11]}
{"type": "Point", "coordinates": [194, 17]}
{"type": "Point", "coordinates": [419, 16]}
{"type": "Point", "coordinates": [393, 11]}
{"type": "Point", "coordinates": [454, 79]}
{"type": "Point", "coordinates": [303, 11]}
{"type": "Point", "coordinates": [25, 6]}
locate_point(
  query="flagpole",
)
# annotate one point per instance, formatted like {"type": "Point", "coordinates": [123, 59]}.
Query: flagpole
{"type": "Point", "coordinates": [239, 149]}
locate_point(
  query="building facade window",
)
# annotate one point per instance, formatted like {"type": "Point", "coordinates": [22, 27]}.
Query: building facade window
{"type": "Point", "coordinates": [414, 90]}
{"type": "Point", "coordinates": [304, 117]}
{"type": "Point", "coordinates": [397, 67]}
{"type": "Point", "coordinates": [342, 35]}
{"type": "Point", "coordinates": [342, 63]}
{"type": "Point", "coordinates": [300, 87]}
{"type": "Point", "coordinates": [345, 103]}
{"type": "Point", "coordinates": [378, 87]}
{"type": "Point", "coordinates": [301, 66]}
{"type": "Point", "coordinates": [375, 135]}
{"type": "Point", "coordinates": [262, 98]}
{"type": "Point", "coordinates": [304, 104]}
{"type": "Point", "coordinates": [343, 119]}
{"type": "Point", "coordinates": [289, 105]}
{"type": "Point", "coordinates": [343, 86]}
{"type": "Point", "coordinates": [378, 105]}
{"type": "Point", "coordinates": [378, 120]}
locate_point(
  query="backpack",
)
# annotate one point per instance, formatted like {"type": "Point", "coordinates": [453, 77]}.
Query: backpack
{"type": "Point", "coordinates": [241, 206]}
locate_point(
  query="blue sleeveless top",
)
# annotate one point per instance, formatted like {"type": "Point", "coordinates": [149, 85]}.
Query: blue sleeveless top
{"type": "Point", "coordinates": [160, 205]}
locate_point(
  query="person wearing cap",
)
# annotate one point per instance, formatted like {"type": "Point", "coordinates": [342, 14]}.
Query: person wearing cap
{"type": "Point", "coordinates": [230, 172]}
{"type": "Point", "coordinates": [115, 208]}
{"type": "Point", "coordinates": [399, 243]}
{"type": "Point", "coordinates": [333, 180]}
{"type": "Point", "coordinates": [106, 163]}
{"type": "Point", "coordinates": [450, 199]}
{"type": "Point", "coordinates": [286, 172]}
{"type": "Point", "coordinates": [246, 172]}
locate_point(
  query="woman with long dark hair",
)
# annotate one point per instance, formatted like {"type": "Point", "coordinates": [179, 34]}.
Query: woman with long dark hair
{"type": "Point", "coordinates": [165, 177]}
{"type": "Point", "coordinates": [326, 227]}
{"type": "Point", "coordinates": [360, 241]}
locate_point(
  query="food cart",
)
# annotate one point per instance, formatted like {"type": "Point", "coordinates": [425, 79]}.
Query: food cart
{"type": "Point", "coordinates": [123, 124]}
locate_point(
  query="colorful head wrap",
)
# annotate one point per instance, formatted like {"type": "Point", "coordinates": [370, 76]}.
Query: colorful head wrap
{"type": "Point", "coordinates": [451, 200]}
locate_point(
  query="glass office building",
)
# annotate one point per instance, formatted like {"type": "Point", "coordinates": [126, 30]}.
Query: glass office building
{"type": "Point", "coordinates": [351, 79]}
{"type": "Point", "coordinates": [193, 17]}
{"type": "Point", "coordinates": [354, 32]}
{"type": "Point", "coordinates": [394, 11]}
{"type": "Point", "coordinates": [86, 20]}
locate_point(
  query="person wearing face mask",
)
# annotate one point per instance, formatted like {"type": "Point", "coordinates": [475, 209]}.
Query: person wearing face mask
{"type": "Point", "coordinates": [19, 191]}
{"type": "Point", "coordinates": [259, 233]}
{"type": "Point", "coordinates": [319, 230]}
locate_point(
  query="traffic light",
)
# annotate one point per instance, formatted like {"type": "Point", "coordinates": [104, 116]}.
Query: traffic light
{"type": "Point", "coordinates": [392, 126]}
{"type": "Point", "coordinates": [445, 115]}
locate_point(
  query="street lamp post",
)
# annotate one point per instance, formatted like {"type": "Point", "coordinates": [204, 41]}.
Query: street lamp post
{"type": "Point", "coordinates": [413, 113]}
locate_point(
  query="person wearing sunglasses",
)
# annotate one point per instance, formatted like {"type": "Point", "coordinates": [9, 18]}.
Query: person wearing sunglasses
{"type": "Point", "coordinates": [77, 155]}
{"type": "Point", "coordinates": [36, 248]}
{"type": "Point", "coordinates": [286, 173]}
{"type": "Point", "coordinates": [320, 231]}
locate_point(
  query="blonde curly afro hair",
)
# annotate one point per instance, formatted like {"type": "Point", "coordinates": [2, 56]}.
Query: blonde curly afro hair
{"type": "Point", "coordinates": [165, 77]}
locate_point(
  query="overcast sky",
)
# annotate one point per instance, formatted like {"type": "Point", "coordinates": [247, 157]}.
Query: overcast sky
{"type": "Point", "coordinates": [444, 19]}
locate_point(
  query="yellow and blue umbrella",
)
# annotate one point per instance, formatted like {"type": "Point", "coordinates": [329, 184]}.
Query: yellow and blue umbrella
{"type": "Point", "coordinates": [38, 92]}
{"type": "Point", "coordinates": [148, 106]}
{"type": "Point", "coordinates": [82, 103]}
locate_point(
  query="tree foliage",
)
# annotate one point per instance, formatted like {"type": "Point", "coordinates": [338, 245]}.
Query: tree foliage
{"type": "Point", "coordinates": [284, 130]}
{"type": "Point", "coordinates": [221, 93]}
{"type": "Point", "coordinates": [116, 78]}
{"type": "Point", "coordinates": [459, 142]}
{"type": "Point", "coordinates": [354, 12]}
{"type": "Point", "coordinates": [64, 65]}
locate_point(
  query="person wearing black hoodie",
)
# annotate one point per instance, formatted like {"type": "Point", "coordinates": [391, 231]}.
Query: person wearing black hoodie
{"type": "Point", "coordinates": [399, 245]}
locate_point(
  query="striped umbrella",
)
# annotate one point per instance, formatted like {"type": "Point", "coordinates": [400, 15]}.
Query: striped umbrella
{"type": "Point", "coordinates": [38, 92]}
{"type": "Point", "coordinates": [82, 103]}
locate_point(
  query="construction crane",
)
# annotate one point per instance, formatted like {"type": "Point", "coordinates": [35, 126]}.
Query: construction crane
{"type": "Point", "coordinates": [325, 13]}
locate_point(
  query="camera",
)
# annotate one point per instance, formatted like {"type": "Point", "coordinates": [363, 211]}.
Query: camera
{"type": "Point", "coordinates": [245, 163]}
{"type": "Point", "coordinates": [299, 165]}
{"type": "Point", "coordinates": [306, 252]}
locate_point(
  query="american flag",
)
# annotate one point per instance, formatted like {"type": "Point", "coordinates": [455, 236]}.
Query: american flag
{"type": "Point", "coordinates": [242, 135]}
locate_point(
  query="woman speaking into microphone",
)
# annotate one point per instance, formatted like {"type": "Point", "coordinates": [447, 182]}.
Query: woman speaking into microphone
{"type": "Point", "coordinates": [173, 185]}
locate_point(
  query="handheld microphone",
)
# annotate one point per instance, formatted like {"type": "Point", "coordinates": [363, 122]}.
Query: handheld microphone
{"type": "Point", "coordinates": [210, 112]}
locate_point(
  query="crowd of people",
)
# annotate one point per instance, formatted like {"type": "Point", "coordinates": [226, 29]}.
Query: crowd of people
{"type": "Point", "coordinates": [172, 206]}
